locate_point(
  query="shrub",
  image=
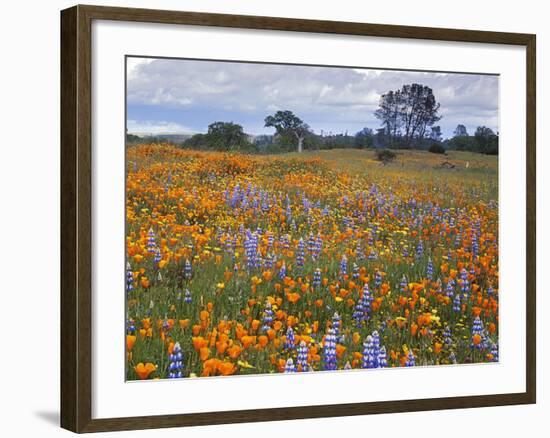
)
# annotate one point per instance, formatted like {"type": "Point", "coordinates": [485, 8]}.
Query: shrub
{"type": "Point", "coordinates": [436, 149]}
{"type": "Point", "coordinates": [385, 155]}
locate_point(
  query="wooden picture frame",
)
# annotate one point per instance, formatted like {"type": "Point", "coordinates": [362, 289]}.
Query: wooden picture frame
{"type": "Point", "coordinates": [76, 217]}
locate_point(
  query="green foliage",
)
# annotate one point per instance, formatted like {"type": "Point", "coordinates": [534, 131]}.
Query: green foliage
{"type": "Point", "coordinates": [487, 140]}
{"type": "Point", "coordinates": [364, 139]}
{"type": "Point", "coordinates": [484, 141]}
{"type": "Point", "coordinates": [221, 136]}
{"type": "Point", "coordinates": [436, 148]}
{"type": "Point", "coordinates": [289, 128]}
{"type": "Point", "coordinates": [133, 139]}
{"type": "Point", "coordinates": [462, 143]}
{"type": "Point", "coordinates": [405, 114]}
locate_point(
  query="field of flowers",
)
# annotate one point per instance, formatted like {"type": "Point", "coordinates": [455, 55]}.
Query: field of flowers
{"type": "Point", "coordinates": [327, 260]}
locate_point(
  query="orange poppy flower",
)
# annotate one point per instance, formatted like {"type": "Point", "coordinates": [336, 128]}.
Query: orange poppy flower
{"type": "Point", "coordinates": [263, 340]}
{"type": "Point", "coordinates": [226, 368]}
{"type": "Point", "coordinates": [248, 341]}
{"type": "Point", "coordinates": [144, 370]}
{"type": "Point", "coordinates": [130, 341]}
{"type": "Point", "coordinates": [293, 297]}
{"type": "Point", "coordinates": [340, 349]}
{"type": "Point", "coordinates": [204, 353]}
{"type": "Point", "coordinates": [199, 342]}
{"type": "Point", "coordinates": [234, 351]}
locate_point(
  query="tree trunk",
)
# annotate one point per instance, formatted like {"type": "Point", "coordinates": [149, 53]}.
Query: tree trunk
{"type": "Point", "coordinates": [300, 141]}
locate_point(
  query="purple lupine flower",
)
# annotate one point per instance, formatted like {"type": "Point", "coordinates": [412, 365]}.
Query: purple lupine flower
{"type": "Point", "coordinates": [449, 290]}
{"type": "Point", "coordinates": [267, 318]}
{"type": "Point", "coordinates": [282, 271]}
{"type": "Point", "coordinates": [477, 329]}
{"type": "Point", "coordinates": [464, 283]}
{"type": "Point", "coordinates": [447, 336]}
{"type": "Point", "coordinates": [230, 244]}
{"type": "Point", "coordinates": [129, 278]}
{"type": "Point", "coordinates": [383, 357]}
{"type": "Point", "coordinates": [130, 326]}
{"type": "Point", "coordinates": [411, 361]}
{"type": "Point", "coordinates": [475, 244]}
{"type": "Point", "coordinates": [316, 278]}
{"type": "Point", "coordinates": [371, 352]}
{"type": "Point", "coordinates": [269, 261]}
{"type": "Point", "coordinates": [289, 366]}
{"type": "Point", "coordinates": [187, 298]}
{"type": "Point", "coordinates": [300, 255]}
{"type": "Point", "coordinates": [377, 279]}
{"type": "Point", "coordinates": [175, 364]}
{"type": "Point", "coordinates": [343, 266]}
{"type": "Point", "coordinates": [251, 250]}
{"type": "Point", "coordinates": [329, 350]}
{"type": "Point", "coordinates": [151, 242]}
{"type": "Point", "coordinates": [318, 245]}
{"type": "Point", "coordinates": [311, 244]}
{"type": "Point", "coordinates": [456, 303]}
{"type": "Point", "coordinates": [158, 257]}
{"type": "Point", "coordinates": [187, 270]}
{"type": "Point", "coordinates": [288, 213]}
{"type": "Point", "coordinates": [362, 309]}
{"type": "Point", "coordinates": [285, 241]}
{"type": "Point", "coordinates": [336, 323]}
{"type": "Point", "coordinates": [419, 249]}
{"type": "Point", "coordinates": [301, 360]}
{"type": "Point", "coordinates": [290, 339]}
{"type": "Point", "coordinates": [430, 269]}
{"type": "Point", "coordinates": [355, 272]}
{"type": "Point", "coordinates": [359, 251]}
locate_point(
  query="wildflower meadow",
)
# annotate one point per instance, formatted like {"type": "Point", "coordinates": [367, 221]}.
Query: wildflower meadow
{"type": "Point", "coordinates": [325, 260]}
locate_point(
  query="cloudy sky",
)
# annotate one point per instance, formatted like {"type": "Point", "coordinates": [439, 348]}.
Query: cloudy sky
{"type": "Point", "coordinates": [184, 96]}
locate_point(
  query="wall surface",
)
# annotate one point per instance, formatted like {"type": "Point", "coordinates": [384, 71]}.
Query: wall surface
{"type": "Point", "coordinates": [29, 214]}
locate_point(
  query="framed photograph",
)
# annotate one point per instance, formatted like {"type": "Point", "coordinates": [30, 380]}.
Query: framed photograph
{"type": "Point", "coordinates": [269, 218]}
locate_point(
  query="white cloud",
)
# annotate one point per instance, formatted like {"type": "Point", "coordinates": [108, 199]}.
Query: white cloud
{"type": "Point", "coordinates": [156, 127]}
{"type": "Point", "coordinates": [133, 65]}
{"type": "Point", "coordinates": [322, 96]}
